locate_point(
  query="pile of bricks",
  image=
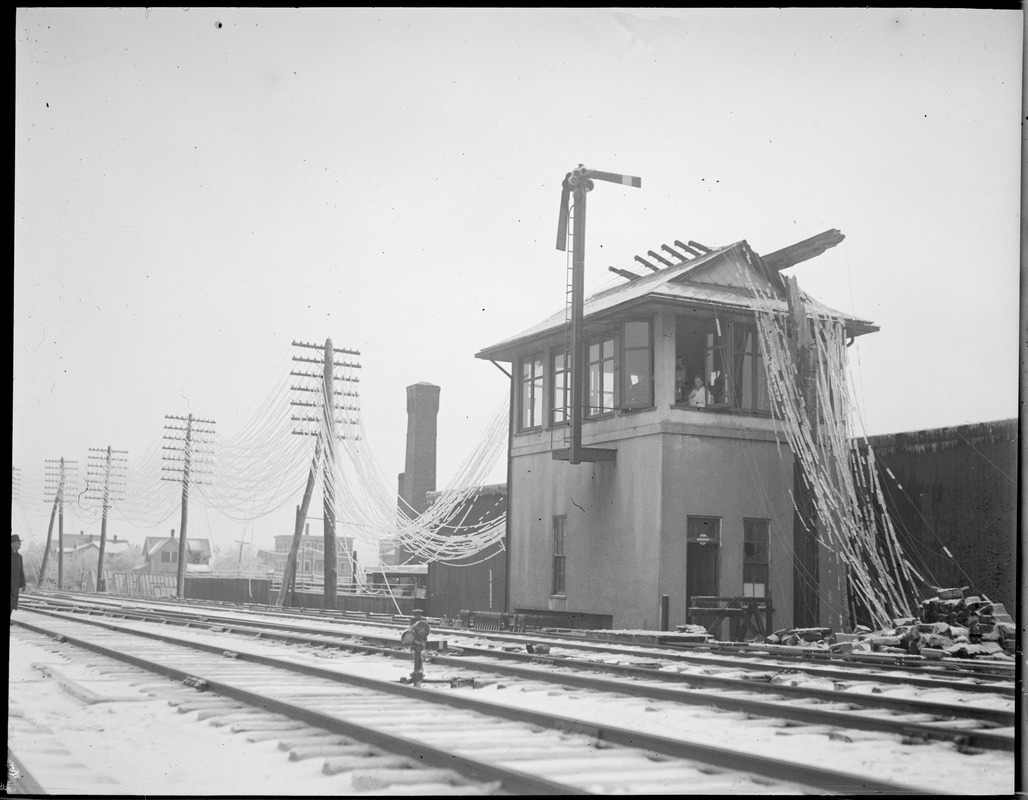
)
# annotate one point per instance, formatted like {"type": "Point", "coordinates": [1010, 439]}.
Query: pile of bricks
{"type": "Point", "coordinates": [813, 638]}
{"type": "Point", "coordinates": [952, 625]}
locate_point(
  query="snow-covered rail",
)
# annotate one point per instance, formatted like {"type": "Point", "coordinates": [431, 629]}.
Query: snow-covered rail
{"type": "Point", "coordinates": [854, 700]}
{"type": "Point", "coordinates": [438, 743]}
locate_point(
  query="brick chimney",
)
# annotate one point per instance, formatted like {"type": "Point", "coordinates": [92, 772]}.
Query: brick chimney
{"type": "Point", "coordinates": [418, 476]}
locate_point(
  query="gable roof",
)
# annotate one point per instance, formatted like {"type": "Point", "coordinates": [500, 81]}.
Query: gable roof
{"type": "Point", "coordinates": [154, 544]}
{"type": "Point", "coordinates": [722, 278]}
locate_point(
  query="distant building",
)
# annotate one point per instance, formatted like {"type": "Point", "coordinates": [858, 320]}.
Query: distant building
{"type": "Point", "coordinates": [419, 470]}
{"type": "Point", "coordinates": [90, 543]}
{"type": "Point", "coordinates": [310, 558]}
{"type": "Point", "coordinates": [477, 582]}
{"type": "Point", "coordinates": [160, 554]}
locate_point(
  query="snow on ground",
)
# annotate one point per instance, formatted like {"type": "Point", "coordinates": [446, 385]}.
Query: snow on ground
{"type": "Point", "coordinates": [137, 745]}
{"type": "Point", "coordinates": [184, 748]}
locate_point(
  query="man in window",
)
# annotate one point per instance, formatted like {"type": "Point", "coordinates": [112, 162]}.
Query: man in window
{"type": "Point", "coordinates": [698, 394]}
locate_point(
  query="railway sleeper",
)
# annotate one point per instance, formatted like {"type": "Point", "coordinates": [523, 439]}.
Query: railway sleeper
{"type": "Point", "coordinates": [337, 764]}
{"type": "Point", "coordinates": [322, 737]}
{"type": "Point", "coordinates": [268, 725]}
{"type": "Point", "coordinates": [439, 790]}
{"type": "Point", "coordinates": [368, 780]}
{"type": "Point", "coordinates": [266, 736]}
{"type": "Point", "coordinates": [327, 750]}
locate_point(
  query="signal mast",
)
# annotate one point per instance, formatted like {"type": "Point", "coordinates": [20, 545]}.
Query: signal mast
{"type": "Point", "coordinates": [579, 181]}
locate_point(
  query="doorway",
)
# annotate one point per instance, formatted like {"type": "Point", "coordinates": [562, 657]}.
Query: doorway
{"type": "Point", "coordinates": [702, 557]}
{"type": "Point", "coordinates": [701, 570]}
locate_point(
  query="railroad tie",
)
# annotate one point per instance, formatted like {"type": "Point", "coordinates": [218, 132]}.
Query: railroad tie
{"type": "Point", "coordinates": [266, 736]}
{"type": "Point", "coordinates": [223, 715]}
{"type": "Point", "coordinates": [440, 790]}
{"type": "Point", "coordinates": [319, 737]}
{"type": "Point", "coordinates": [328, 750]}
{"type": "Point", "coordinates": [337, 764]}
{"type": "Point", "coordinates": [367, 780]}
{"type": "Point", "coordinates": [267, 725]}
{"type": "Point", "coordinates": [207, 705]}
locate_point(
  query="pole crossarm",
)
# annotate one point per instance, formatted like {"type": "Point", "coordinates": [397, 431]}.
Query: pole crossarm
{"type": "Point", "coordinates": [334, 363]}
{"type": "Point", "coordinates": [322, 348]}
{"type": "Point", "coordinates": [319, 405]}
{"type": "Point", "coordinates": [193, 420]}
{"type": "Point", "coordinates": [319, 377]}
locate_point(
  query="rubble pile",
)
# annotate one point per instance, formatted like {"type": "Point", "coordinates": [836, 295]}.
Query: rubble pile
{"type": "Point", "coordinates": [951, 625]}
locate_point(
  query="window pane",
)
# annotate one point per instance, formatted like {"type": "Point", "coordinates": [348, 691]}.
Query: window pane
{"type": "Point", "coordinates": [559, 396]}
{"type": "Point", "coordinates": [531, 391]}
{"type": "Point", "coordinates": [559, 559]}
{"type": "Point", "coordinates": [638, 379]}
{"type": "Point", "coordinates": [608, 385]}
{"type": "Point", "coordinates": [637, 334]}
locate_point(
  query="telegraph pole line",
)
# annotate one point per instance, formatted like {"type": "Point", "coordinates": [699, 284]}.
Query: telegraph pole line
{"type": "Point", "coordinates": [57, 484]}
{"type": "Point", "coordinates": [328, 485]}
{"type": "Point", "coordinates": [327, 434]}
{"type": "Point", "coordinates": [105, 466]}
{"type": "Point", "coordinates": [289, 570]}
{"type": "Point", "coordinates": [187, 450]}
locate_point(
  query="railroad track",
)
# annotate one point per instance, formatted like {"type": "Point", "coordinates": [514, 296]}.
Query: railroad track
{"type": "Point", "coordinates": [847, 701]}
{"type": "Point", "coordinates": [960, 674]}
{"type": "Point", "coordinates": [908, 718]}
{"type": "Point", "coordinates": [659, 747]}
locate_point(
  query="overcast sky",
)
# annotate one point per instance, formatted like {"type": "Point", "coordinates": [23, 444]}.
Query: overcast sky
{"type": "Point", "coordinates": [197, 188]}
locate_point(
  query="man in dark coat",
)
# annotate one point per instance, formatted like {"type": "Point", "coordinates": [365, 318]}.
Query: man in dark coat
{"type": "Point", "coordinates": [17, 571]}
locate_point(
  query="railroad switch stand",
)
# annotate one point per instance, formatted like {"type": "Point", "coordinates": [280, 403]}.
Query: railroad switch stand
{"type": "Point", "coordinates": [415, 637]}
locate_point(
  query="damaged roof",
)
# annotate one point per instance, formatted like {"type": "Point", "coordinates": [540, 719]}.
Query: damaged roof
{"type": "Point", "coordinates": [722, 278]}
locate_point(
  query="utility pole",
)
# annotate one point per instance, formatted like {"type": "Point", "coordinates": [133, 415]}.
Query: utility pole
{"type": "Point", "coordinates": [806, 567]}
{"type": "Point", "coordinates": [322, 399]}
{"type": "Point", "coordinates": [106, 467]}
{"type": "Point", "coordinates": [55, 485]}
{"type": "Point", "coordinates": [188, 445]}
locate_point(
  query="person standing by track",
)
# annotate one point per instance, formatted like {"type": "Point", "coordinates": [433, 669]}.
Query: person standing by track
{"type": "Point", "coordinates": [17, 572]}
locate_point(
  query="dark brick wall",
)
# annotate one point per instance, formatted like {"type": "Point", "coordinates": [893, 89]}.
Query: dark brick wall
{"type": "Point", "coordinates": [959, 493]}
{"type": "Point", "coordinates": [478, 582]}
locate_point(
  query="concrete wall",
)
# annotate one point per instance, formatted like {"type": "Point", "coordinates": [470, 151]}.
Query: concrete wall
{"type": "Point", "coordinates": [612, 542]}
{"type": "Point", "coordinates": [732, 473]}
{"type": "Point", "coordinates": [626, 520]}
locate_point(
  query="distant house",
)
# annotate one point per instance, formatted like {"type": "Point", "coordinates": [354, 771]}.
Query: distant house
{"type": "Point", "coordinates": [79, 543]}
{"type": "Point", "coordinates": [310, 557]}
{"type": "Point", "coordinates": [160, 554]}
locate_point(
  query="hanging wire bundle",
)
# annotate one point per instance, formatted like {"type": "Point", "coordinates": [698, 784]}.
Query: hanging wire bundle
{"type": "Point", "coordinates": [842, 476]}
{"type": "Point", "coordinates": [261, 469]}
{"type": "Point", "coordinates": [370, 508]}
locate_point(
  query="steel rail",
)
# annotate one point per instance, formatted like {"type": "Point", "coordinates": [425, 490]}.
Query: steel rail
{"type": "Point", "coordinates": [740, 652]}
{"type": "Point", "coordinates": [804, 714]}
{"type": "Point", "coordinates": [23, 783]}
{"type": "Point", "coordinates": [758, 651]}
{"type": "Point", "coordinates": [721, 758]}
{"type": "Point", "coordinates": [780, 710]}
{"type": "Point", "coordinates": [817, 670]}
{"type": "Point", "coordinates": [997, 717]}
{"type": "Point", "coordinates": [513, 780]}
